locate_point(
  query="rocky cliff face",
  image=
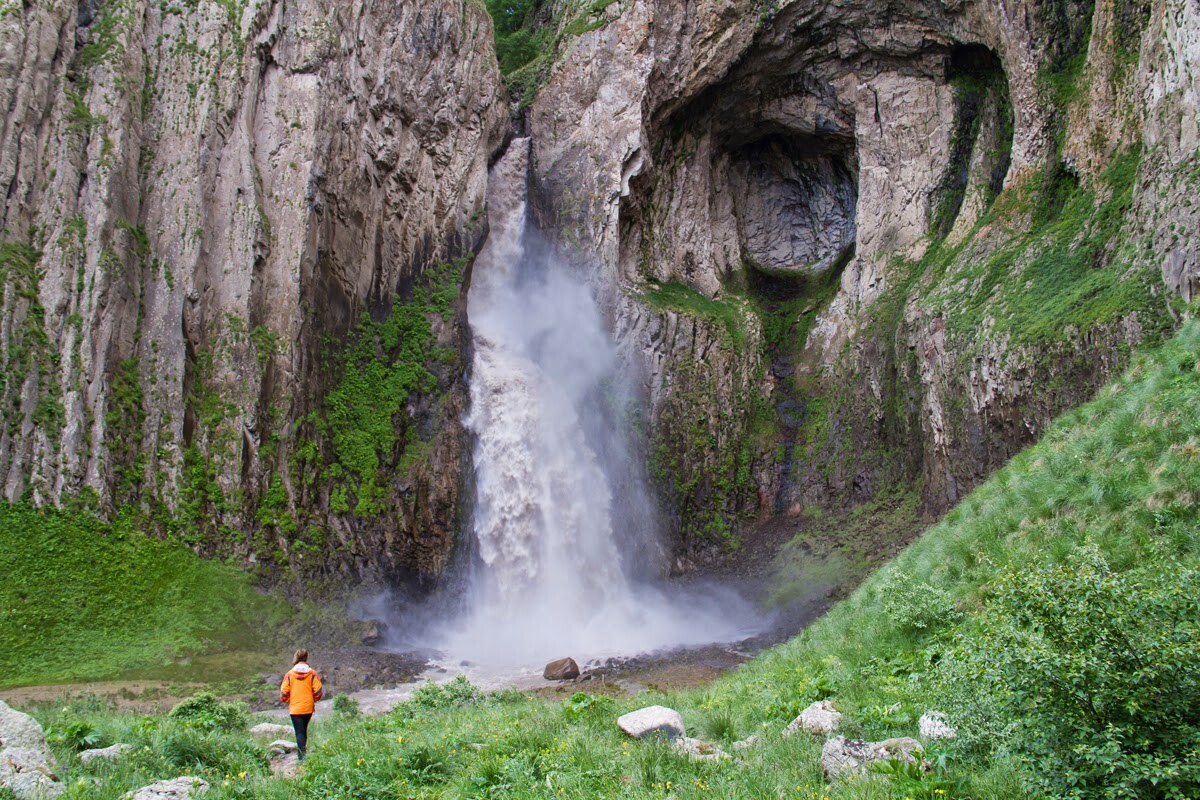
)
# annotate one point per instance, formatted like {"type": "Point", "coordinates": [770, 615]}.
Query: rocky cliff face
{"type": "Point", "coordinates": [937, 226]}
{"type": "Point", "coordinates": [201, 202]}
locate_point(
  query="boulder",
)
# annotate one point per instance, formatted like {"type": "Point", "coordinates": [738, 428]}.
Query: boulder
{"type": "Point", "coordinates": [933, 727]}
{"type": "Point", "coordinates": [104, 753]}
{"type": "Point", "coordinates": [271, 729]}
{"type": "Point", "coordinates": [373, 630]}
{"type": "Point", "coordinates": [843, 758]}
{"type": "Point", "coordinates": [656, 721]}
{"type": "Point", "coordinates": [26, 764]}
{"type": "Point", "coordinates": [273, 678]}
{"type": "Point", "coordinates": [698, 750]}
{"type": "Point", "coordinates": [820, 718]}
{"type": "Point", "coordinates": [281, 747]}
{"type": "Point", "coordinates": [174, 789]}
{"type": "Point", "coordinates": [564, 669]}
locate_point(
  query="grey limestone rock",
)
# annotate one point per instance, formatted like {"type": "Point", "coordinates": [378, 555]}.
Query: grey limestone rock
{"type": "Point", "coordinates": [653, 721]}
{"type": "Point", "coordinates": [111, 753]}
{"type": "Point", "coordinates": [173, 789]}
{"type": "Point", "coordinates": [842, 757]}
{"type": "Point", "coordinates": [819, 718]}
{"type": "Point", "coordinates": [26, 763]}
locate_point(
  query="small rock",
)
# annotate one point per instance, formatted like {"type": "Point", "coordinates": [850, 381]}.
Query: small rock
{"type": "Point", "coordinates": [280, 747]}
{"type": "Point", "coordinates": [373, 632]}
{"type": "Point", "coordinates": [820, 718]}
{"type": "Point", "coordinates": [698, 750]}
{"type": "Point", "coordinates": [564, 669]}
{"type": "Point", "coordinates": [657, 721]}
{"type": "Point", "coordinates": [842, 757]}
{"type": "Point", "coordinates": [271, 729]}
{"type": "Point", "coordinates": [174, 789]}
{"type": "Point", "coordinates": [933, 726]}
{"type": "Point", "coordinates": [748, 742]}
{"type": "Point", "coordinates": [104, 753]}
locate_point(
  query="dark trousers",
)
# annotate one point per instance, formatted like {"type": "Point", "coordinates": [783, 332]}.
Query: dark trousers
{"type": "Point", "coordinates": [300, 725]}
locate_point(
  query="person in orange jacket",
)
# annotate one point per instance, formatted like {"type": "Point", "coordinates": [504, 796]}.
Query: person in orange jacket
{"type": "Point", "coordinates": [301, 689]}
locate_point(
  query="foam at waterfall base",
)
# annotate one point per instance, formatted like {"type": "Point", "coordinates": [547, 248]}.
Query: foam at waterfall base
{"type": "Point", "coordinates": [650, 619]}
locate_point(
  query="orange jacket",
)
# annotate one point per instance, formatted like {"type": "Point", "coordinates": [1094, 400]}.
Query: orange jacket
{"type": "Point", "coordinates": [300, 689]}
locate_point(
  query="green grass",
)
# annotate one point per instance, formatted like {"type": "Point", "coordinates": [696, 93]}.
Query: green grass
{"type": "Point", "coordinates": [672, 296]}
{"type": "Point", "coordinates": [85, 599]}
{"type": "Point", "coordinates": [1118, 478]}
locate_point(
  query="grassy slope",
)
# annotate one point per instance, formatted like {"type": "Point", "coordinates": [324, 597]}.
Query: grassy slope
{"type": "Point", "coordinates": [1121, 473]}
{"type": "Point", "coordinates": [84, 599]}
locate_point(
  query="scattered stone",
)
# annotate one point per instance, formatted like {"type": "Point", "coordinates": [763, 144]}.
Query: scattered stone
{"type": "Point", "coordinates": [698, 750]}
{"type": "Point", "coordinates": [104, 753]}
{"type": "Point", "coordinates": [271, 729]}
{"type": "Point", "coordinates": [26, 763]}
{"type": "Point", "coordinates": [842, 757]}
{"type": "Point", "coordinates": [281, 747]}
{"type": "Point", "coordinates": [373, 632]}
{"type": "Point", "coordinates": [659, 721]}
{"type": "Point", "coordinates": [748, 742]}
{"type": "Point", "coordinates": [285, 766]}
{"type": "Point", "coordinates": [174, 789]}
{"type": "Point", "coordinates": [820, 718]}
{"type": "Point", "coordinates": [933, 726]}
{"type": "Point", "coordinates": [564, 669]}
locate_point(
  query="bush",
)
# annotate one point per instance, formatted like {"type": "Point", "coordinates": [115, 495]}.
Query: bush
{"type": "Point", "coordinates": [457, 692]}
{"type": "Point", "coordinates": [346, 705]}
{"type": "Point", "coordinates": [583, 705]}
{"type": "Point", "coordinates": [916, 606]}
{"type": "Point", "coordinates": [1098, 670]}
{"type": "Point", "coordinates": [204, 710]}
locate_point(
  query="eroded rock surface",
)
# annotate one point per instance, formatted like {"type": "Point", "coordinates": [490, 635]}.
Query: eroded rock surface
{"type": "Point", "coordinates": [26, 763]}
{"type": "Point", "coordinates": [200, 204]}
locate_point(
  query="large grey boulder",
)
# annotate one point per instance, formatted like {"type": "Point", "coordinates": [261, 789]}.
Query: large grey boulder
{"type": "Point", "coordinates": [104, 753]}
{"type": "Point", "coordinates": [26, 763]}
{"type": "Point", "coordinates": [843, 758]}
{"type": "Point", "coordinates": [658, 721]}
{"type": "Point", "coordinates": [820, 718]}
{"type": "Point", "coordinates": [174, 789]}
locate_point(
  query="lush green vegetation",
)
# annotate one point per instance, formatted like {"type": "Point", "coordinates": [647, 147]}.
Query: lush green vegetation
{"type": "Point", "coordinates": [528, 35]}
{"type": "Point", "coordinates": [386, 364]}
{"type": "Point", "coordinates": [1071, 271]}
{"type": "Point", "coordinates": [1054, 616]}
{"type": "Point", "coordinates": [83, 598]}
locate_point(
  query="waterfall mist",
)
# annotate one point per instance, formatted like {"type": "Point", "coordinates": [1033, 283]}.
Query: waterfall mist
{"type": "Point", "coordinates": [564, 531]}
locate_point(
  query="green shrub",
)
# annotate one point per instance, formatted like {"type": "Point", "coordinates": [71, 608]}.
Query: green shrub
{"type": "Point", "coordinates": [203, 710]}
{"type": "Point", "coordinates": [457, 692]}
{"type": "Point", "coordinates": [583, 705]}
{"type": "Point", "coordinates": [1099, 669]}
{"type": "Point", "coordinates": [346, 705]}
{"type": "Point", "coordinates": [916, 606]}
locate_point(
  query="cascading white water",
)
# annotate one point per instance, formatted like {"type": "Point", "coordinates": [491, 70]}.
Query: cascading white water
{"type": "Point", "coordinates": [550, 578]}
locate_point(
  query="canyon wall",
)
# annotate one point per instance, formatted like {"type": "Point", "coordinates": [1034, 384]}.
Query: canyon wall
{"type": "Point", "coordinates": [868, 249]}
{"type": "Point", "coordinates": [214, 213]}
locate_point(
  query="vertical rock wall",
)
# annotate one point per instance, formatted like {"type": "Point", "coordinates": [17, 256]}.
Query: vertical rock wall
{"type": "Point", "coordinates": [201, 200]}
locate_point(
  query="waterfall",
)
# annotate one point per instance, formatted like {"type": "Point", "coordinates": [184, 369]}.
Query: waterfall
{"type": "Point", "coordinates": [550, 577]}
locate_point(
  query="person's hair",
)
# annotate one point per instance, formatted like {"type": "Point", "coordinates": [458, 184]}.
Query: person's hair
{"type": "Point", "coordinates": [301, 655]}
